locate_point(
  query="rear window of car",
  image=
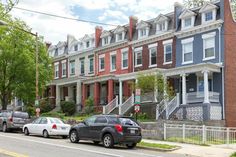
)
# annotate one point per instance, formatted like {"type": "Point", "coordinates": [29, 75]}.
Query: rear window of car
{"type": "Point", "coordinates": [21, 114]}
{"type": "Point", "coordinates": [56, 121]}
{"type": "Point", "coordinates": [112, 120]}
{"type": "Point", "coordinates": [127, 121]}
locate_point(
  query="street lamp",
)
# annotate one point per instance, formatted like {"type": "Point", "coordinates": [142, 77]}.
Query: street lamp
{"type": "Point", "coordinates": [3, 23]}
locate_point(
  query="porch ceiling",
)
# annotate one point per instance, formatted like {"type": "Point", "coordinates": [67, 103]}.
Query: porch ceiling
{"type": "Point", "coordinates": [193, 69]}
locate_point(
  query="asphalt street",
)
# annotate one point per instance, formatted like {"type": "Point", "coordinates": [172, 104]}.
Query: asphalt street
{"type": "Point", "coordinates": [19, 145]}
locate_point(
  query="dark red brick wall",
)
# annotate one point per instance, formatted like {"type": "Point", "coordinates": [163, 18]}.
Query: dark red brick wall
{"type": "Point", "coordinates": [230, 66]}
{"type": "Point", "coordinates": [60, 68]}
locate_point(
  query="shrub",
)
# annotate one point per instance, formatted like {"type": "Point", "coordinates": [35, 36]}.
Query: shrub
{"type": "Point", "coordinates": [45, 106]}
{"type": "Point", "coordinates": [53, 114]}
{"type": "Point", "coordinates": [68, 107]}
{"type": "Point", "coordinates": [31, 110]}
{"type": "Point", "coordinates": [89, 106]}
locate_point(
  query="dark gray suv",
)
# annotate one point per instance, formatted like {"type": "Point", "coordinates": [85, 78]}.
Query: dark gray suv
{"type": "Point", "coordinates": [13, 120]}
{"type": "Point", "coordinates": [108, 129]}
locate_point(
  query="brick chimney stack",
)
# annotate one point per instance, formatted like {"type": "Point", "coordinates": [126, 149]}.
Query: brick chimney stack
{"type": "Point", "coordinates": [132, 26]}
{"type": "Point", "coordinates": [98, 32]}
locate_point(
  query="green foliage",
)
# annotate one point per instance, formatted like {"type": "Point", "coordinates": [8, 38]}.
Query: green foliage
{"type": "Point", "coordinates": [89, 106]}
{"type": "Point", "coordinates": [45, 106]}
{"type": "Point", "coordinates": [30, 110]}
{"type": "Point", "coordinates": [17, 60]}
{"type": "Point", "coordinates": [157, 145]}
{"type": "Point", "coordinates": [68, 107]}
{"type": "Point", "coordinates": [233, 155]}
{"type": "Point", "coordinates": [53, 114]}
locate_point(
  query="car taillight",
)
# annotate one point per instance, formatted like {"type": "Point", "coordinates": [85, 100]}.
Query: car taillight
{"type": "Point", "coordinates": [54, 126]}
{"type": "Point", "coordinates": [118, 128]}
{"type": "Point", "coordinates": [11, 119]}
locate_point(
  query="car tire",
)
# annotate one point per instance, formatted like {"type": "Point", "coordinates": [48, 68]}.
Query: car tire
{"type": "Point", "coordinates": [4, 127]}
{"type": "Point", "coordinates": [45, 134]}
{"type": "Point", "coordinates": [26, 131]}
{"type": "Point", "coordinates": [64, 137]}
{"type": "Point", "coordinates": [131, 146]}
{"type": "Point", "coordinates": [108, 141]}
{"type": "Point", "coordinates": [74, 138]}
{"type": "Point", "coordinates": [96, 142]}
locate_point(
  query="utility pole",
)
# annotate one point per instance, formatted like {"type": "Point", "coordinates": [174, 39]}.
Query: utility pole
{"type": "Point", "coordinates": [37, 69]}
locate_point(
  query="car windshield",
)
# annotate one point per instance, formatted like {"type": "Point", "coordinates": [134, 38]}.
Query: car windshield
{"type": "Point", "coordinates": [21, 114]}
{"type": "Point", "coordinates": [56, 121]}
{"type": "Point", "coordinates": [127, 121]}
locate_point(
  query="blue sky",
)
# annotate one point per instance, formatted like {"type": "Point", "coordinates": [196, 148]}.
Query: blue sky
{"type": "Point", "coordinates": [106, 11]}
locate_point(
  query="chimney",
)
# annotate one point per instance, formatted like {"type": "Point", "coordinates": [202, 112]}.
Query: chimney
{"type": "Point", "coordinates": [132, 25]}
{"type": "Point", "coordinates": [98, 32]}
{"type": "Point", "coordinates": [178, 8]}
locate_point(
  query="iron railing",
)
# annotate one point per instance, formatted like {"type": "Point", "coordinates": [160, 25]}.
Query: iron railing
{"type": "Point", "coordinates": [126, 105]}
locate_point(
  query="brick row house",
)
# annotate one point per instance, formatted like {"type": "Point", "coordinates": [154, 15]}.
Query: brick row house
{"type": "Point", "coordinates": [192, 48]}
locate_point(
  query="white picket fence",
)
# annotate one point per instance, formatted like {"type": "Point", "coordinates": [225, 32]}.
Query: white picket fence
{"type": "Point", "coordinates": [199, 134]}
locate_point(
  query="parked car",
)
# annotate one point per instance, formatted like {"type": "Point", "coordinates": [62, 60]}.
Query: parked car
{"type": "Point", "coordinates": [47, 126]}
{"type": "Point", "coordinates": [10, 120]}
{"type": "Point", "coordinates": [108, 129]}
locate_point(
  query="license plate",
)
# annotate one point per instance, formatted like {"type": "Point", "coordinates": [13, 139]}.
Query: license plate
{"type": "Point", "coordinates": [132, 131]}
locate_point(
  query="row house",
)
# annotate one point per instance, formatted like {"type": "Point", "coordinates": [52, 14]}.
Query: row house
{"type": "Point", "coordinates": [192, 48]}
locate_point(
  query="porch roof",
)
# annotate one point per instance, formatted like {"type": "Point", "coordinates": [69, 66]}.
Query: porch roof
{"type": "Point", "coordinates": [99, 78]}
{"type": "Point", "coordinates": [211, 67]}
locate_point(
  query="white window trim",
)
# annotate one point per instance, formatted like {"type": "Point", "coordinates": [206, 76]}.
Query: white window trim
{"type": "Point", "coordinates": [158, 26]}
{"type": "Point", "coordinates": [122, 53]}
{"type": "Point", "coordinates": [147, 32]}
{"type": "Point", "coordinates": [150, 47]}
{"type": "Point", "coordinates": [167, 42]}
{"type": "Point", "coordinates": [108, 42]}
{"type": "Point", "coordinates": [56, 64]}
{"type": "Point", "coordinates": [111, 55]}
{"type": "Point", "coordinates": [99, 62]}
{"type": "Point", "coordinates": [81, 66]}
{"type": "Point", "coordinates": [62, 69]}
{"type": "Point", "coordinates": [71, 74]}
{"type": "Point", "coordinates": [137, 50]}
{"type": "Point", "coordinates": [186, 41]}
{"type": "Point", "coordinates": [213, 16]}
{"type": "Point", "coordinates": [183, 23]}
{"type": "Point", "coordinates": [207, 36]}
{"type": "Point", "coordinates": [90, 65]}
{"type": "Point", "coordinates": [117, 35]}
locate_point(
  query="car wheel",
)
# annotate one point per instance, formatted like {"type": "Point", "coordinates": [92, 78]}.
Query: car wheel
{"type": "Point", "coordinates": [26, 131]}
{"type": "Point", "coordinates": [96, 142]}
{"type": "Point", "coordinates": [45, 134]}
{"type": "Point", "coordinates": [74, 136]}
{"type": "Point", "coordinates": [4, 127]}
{"type": "Point", "coordinates": [108, 141]}
{"type": "Point", "coordinates": [64, 137]}
{"type": "Point", "coordinates": [131, 146]}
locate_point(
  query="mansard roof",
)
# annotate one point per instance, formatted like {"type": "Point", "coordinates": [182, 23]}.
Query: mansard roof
{"type": "Point", "coordinates": [207, 6]}
{"type": "Point", "coordinates": [120, 29]}
{"type": "Point", "coordinates": [142, 24]}
{"type": "Point", "coordinates": [187, 13]}
{"type": "Point", "coordinates": [87, 37]}
{"type": "Point", "coordinates": [161, 18]}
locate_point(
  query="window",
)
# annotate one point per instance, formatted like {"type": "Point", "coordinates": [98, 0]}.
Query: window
{"type": "Point", "coordinates": [113, 62]}
{"type": "Point", "coordinates": [119, 37]}
{"type": "Point", "coordinates": [87, 44]}
{"type": "Point", "coordinates": [82, 66]}
{"type": "Point", "coordinates": [44, 121]}
{"type": "Point", "coordinates": [188, 22]}
{"type": "Point", "coordinates": [209, 16]}
{"type": "Point", "coordinates": [124, 59]}
{"type": "Point", "coordinates": [56, 74]}
{"type": "Point", "coordinates": [101, 63]}
{"type": "Point", "coordinates": [187, 52]}
{"type": "Point", "coordinates": [101, 120]}
{"type": "Point", "coordinates": [91, 65]}
{"type": "Point", "coordinates": [142, 32]}
{"type": "Point", "coordinates": [209, 48]}
{"type": "Point", "coordinates": [90, 120]}
{"type": "Point", "coordinates": [105, 39]}
{"type": "Point", "coordinates": [76, 48]}
{"type": "Point", "coordinates": [72, 67]}
{"type": "Point", "coordinates": [153, 56]}
{"type": "Point", "coordinates": [138, 58]}
{"type": "Point", "coordinates": [162, 26]}
{"type": "Point", "coordinates": [168, 53]}
{"type": "Point", "coordinates": [63, 69]}
{"type": "Point", "coordinates": [56, 52]}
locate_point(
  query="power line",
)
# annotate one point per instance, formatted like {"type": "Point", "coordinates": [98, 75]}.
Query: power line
{"type": "Point", "coordinates": [64, 17]}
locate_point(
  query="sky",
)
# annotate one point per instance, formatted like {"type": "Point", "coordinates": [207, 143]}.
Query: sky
{"type": "Point", "coordinates": [114, 12]}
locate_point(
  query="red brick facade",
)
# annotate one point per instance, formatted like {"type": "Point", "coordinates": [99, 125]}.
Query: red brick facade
{"type": "Point", "coordinates": [230, 65]}
{"type": "Point", "coordinates": [60, 68]}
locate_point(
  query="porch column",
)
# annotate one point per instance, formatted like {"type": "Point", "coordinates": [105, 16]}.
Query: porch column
{"type": "Point", "coordinates": [183, 89]}
{"type": "Point", "coordinates": [96, 93]}
{"type": "Point", "coordinates": [84, 95]}
{"type": "Point", "coordinates": [110, 90]}
{"type": "Point", "coordinates": [58, 94]}
{"type": "Point", "coordinates": [120, 92]}
{"type": "Point", "coordinates": [165, 96]}
{"type": "Point", "coordinates": [70, 93]}
{"type": "Point", "coordinates": [78, 92]}
{"type": "Point", "coordinates": [206, 90]}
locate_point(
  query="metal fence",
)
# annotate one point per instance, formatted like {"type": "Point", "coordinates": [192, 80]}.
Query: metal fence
{"type": "Point", "coordinates": [199, 134]}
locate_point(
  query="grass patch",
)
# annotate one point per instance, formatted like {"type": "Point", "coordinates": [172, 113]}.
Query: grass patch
{"type": "Point", "coordinates": [233, 155]}
{"type": "Point", "coordinates": [156, 145]}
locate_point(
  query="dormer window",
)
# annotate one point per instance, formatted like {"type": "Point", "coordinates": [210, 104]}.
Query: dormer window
{"type": "Point", "coordinates": [187, 19]}
{"type": "Point", "coordinates": [105, 40]}
{"type": "Point", "coordinates": [106, 37]}
{"type": "Point", "coordinates": [143, 29]}
{"type": "Point", "coordinates": [119, 36]}
{"type": "Point", "coordinates": [120, 33]}
{"type": "Point", "coordinates": [76, 48]}
{"type": "Point", "coordinates": [161, 23]}
{"type": "Point", "coordinates": [208, 12]}
{"type": "Point", "coordinates": [87, 44]}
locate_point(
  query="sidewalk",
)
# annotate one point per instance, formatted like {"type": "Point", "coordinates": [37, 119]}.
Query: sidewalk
{"type": "Point", "coordinates": [201, 151]}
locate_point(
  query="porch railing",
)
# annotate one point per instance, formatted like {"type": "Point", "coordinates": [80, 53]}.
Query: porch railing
{"type": "Point", "coordinates": [126, 105]}
{"type": "Point", "coordinates": [160, 109]}
{"type": "Point", "coordinates": [172, 105]}
{"type": "Point", "coordinates": [147, 97]}
{"type": "Point", "coordinates": [110, 106]}
{"type": "Point", "coordinates": [198, 97]}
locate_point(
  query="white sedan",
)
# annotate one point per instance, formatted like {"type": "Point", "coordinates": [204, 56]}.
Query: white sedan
{"type": "Point", "coordinates": [47, 126]}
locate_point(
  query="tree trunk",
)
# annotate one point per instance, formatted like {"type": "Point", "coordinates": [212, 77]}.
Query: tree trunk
{"type": "Point", "coordinates": [4, 102]}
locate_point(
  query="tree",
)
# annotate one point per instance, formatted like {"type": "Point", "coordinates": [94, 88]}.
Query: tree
{"type": "Point", "coordinates": [17, 61]}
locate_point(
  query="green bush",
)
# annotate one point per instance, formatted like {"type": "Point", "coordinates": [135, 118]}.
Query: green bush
{"type": "Point", "coordinates": [53, 114]}
{"type": "Point", "coordinates": [68, 107]}
{"type": "Point", "coordinates": [89, 106]}
{"type": "Point", "coordinates": [31, 110]}
{"type": "Point", "coordinates": [45, 106]}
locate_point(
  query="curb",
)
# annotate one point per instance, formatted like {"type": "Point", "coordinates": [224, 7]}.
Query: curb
{"type": "Point", "coordinates": [159, 149]}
